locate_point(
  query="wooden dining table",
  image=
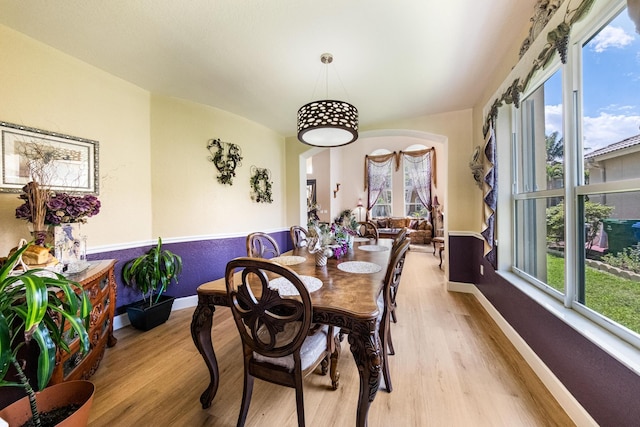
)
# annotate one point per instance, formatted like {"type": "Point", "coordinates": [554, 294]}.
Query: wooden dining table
{"type": "Point", "coordinates": [346, 299]}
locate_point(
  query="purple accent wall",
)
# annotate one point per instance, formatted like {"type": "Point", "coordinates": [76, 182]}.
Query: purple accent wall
{"type": "Point", "coordinates": [203, 261]}
{"type": "Point", "coordinates": [604, 387]}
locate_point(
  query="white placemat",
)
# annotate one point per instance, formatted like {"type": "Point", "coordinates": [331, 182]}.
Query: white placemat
{"type": "Point", "coordinates": [361, 239]}
{"type": "Point", "coordinates": [361, 267]}
{"type": "Point", "coordinates": [373, 248]}
{"type": "Point", "coordinates": [289, 259]}
{"type": "Point", "coordinates": [286, 288]}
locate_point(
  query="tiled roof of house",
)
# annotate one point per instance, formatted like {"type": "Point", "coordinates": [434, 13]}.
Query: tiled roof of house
{"type": "Point", "coordinates": [625, 143]}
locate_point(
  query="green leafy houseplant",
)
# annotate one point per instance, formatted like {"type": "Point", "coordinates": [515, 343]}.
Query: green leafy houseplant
{"type": "Point", "coordinates": [152, 272]}
{"type": "Point", "coordinates": [36, 305]}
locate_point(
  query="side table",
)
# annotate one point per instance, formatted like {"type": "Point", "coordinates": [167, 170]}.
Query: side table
{"type": "Point", "coordinates": [100, 282]}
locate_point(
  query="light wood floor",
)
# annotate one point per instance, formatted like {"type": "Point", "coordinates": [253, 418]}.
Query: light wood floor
{"type": "Point", "coordinates": [453, 367]}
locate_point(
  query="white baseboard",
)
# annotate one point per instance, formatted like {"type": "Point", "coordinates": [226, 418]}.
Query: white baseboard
{"type": "Point", "coordinates": [568, 402]}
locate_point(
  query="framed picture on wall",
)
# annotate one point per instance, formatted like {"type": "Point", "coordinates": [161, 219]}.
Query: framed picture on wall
{"type": "Point", "coordinates": [66, 163]}
{"type": "Point", "coordinates": [311, 192]}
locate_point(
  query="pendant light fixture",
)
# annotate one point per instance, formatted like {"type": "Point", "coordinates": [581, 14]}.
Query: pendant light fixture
{"type": "Point", "coordinates": [327, 123]}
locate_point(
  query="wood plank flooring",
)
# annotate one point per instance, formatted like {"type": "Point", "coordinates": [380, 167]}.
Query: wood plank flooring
{"type": "Point", "coordinates": [453, 367]}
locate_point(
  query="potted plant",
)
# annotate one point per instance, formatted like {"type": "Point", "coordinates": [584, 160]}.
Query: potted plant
{"type": "Point", "coordinates": [150, 274]}
{"type": "Point", "coordinates": [42, 306]}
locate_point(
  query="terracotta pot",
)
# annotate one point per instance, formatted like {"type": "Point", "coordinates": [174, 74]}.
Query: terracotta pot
{"type": "Point", "coordinates": [55, 396]}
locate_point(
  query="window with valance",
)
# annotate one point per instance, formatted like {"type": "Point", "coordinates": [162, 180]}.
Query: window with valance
{"type": "Point", "coordinates": [418, 171]}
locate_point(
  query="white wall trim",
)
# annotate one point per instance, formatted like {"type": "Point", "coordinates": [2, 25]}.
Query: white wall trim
{"type": "Point", "coordinates": [568, 402]}
{"type": "Point", "coordinates": [182, 239]}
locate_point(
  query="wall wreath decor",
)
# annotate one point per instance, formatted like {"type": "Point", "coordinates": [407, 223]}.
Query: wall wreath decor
{"type": "Point", "coordinates": [225, 163]}
{"type": "Point", "coordinates": [260, 185]}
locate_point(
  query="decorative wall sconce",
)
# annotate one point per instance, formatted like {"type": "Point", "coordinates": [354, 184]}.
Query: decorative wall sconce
{"type": "Point", "coordinates": [336, 190]}
{"type": "Point", "coordinates": [225, 163]}
{"type": "Point", "coordinates": [477, 166]}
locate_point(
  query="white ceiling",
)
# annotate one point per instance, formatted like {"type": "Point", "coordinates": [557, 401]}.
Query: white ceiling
{"type": "Point", "coordinates": [260, 59]}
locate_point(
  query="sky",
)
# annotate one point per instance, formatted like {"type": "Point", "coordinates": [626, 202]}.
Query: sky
{"type": "Point", "coordinates": [611, 87]}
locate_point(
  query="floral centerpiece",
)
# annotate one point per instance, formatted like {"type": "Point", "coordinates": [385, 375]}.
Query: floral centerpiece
{"type": "Point", "coordinates": [45, 208]}
{"type": "Point", "coordinates": [327, 241]}
{"type": "Point", "coordinates": [348, 221]}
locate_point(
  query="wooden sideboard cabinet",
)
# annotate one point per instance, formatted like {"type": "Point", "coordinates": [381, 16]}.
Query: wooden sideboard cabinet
{"type": "Point", "coordinates": [100, 282]}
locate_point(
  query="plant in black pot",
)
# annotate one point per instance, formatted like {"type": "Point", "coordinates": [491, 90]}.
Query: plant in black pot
{"type": "Point", "coordinates": [151, 274]}
{"type": "Point", "coordinates": [42, 307]}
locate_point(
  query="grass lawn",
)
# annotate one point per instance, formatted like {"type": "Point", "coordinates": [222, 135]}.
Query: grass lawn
{"type": "Point", "coordinates": [612, 296]}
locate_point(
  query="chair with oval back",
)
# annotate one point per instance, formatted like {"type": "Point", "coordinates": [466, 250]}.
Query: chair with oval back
{"type": "Point", "coordinates": [261, 245]}
{"type": "Point", "coordinates": [299, 236]}
{"type": "Point", "coordinates": [401, 236]}
{"type": "Point", "coordinates": [368, 229]}
{"type": "Point", "coordinates": [385, 305]}
{"type": "Point", "coordinates": [275, 329]}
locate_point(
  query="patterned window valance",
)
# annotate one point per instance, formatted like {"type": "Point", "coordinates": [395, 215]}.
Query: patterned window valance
{"type": "Point", "coordinates": [539, 48]}
{"type": "Point", "coordinates": [378, 160]}
{"type": "Point", "coordinates": [423, 153]}
{"type": "Point", "coordinates": [397, 156]}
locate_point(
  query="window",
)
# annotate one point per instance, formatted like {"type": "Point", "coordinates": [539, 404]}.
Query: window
{"type": "Point", "coordinates": [539, 172]}
{"type": "Point", "coordinates": [416, 161]}
{"type": "Point", "coordinates": [379, 182]}
{"type": "Point", "coordinates": [382, 207]}
{"type": "Point", "coordinates": [576, 175]}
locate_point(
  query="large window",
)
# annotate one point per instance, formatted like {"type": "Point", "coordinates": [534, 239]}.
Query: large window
{"type": "Point", "coordinates": [539, 174]}
{"type": "Point", "coordinates": [382, 207]}
{"type": "Point", "coordinates": [416, 169]}
{"type": "Point", "coordinates": [576, 174]}
{"type": "Point", "coordinates": [380, 165]}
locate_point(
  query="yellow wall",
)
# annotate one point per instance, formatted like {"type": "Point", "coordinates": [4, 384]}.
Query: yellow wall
{"type": "Point", "coordinates": [45, 89]}
{"type": "Point", "coordinates": [187, 198]}
{"type": "Point", "coordinates": [155, 179]}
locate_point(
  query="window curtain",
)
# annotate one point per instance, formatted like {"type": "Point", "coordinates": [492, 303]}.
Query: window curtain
{"type": "Point", "coordinates": [376, 169]}
{"type": "Point", "coordinates": [549, 35]}
{"type": "Point", "coordinates": [490, 197]}
{"type": "Point", "coordinates": [420, 165]}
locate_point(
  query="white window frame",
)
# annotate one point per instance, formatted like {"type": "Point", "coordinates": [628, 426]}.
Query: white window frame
{"type": "Point", "coordinates": [618, 341]}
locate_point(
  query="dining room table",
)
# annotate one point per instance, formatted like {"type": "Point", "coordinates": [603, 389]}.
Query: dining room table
{"type": "Point", "coordinates": [346, 298]}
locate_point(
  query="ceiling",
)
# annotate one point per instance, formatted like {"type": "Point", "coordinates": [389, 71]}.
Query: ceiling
{"type": "Point", "coordinates": [261, 59]}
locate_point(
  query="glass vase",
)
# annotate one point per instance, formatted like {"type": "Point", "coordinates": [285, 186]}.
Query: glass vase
{"type": "Point", "coordinates": [70, 247]}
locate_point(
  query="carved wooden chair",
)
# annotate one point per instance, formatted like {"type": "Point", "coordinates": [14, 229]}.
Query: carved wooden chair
{"type": "Point", "coordinates": [400, 238]}
{"type": "Point", "coordinates": [368, 229]}
{"type": "Point", "coordinates": [299, 236]}
{"type": "Point", "coordinates": [277, 341]}
{"type": "Point", "coordinates": [260, 245]}
{"type": "Point", "coordinates": [385, 305]}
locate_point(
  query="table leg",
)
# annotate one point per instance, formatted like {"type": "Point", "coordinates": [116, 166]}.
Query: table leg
{"type": "Point", "coordinates": [201, 333]}
{"type": "Point", "coordinates": [365, 346]}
